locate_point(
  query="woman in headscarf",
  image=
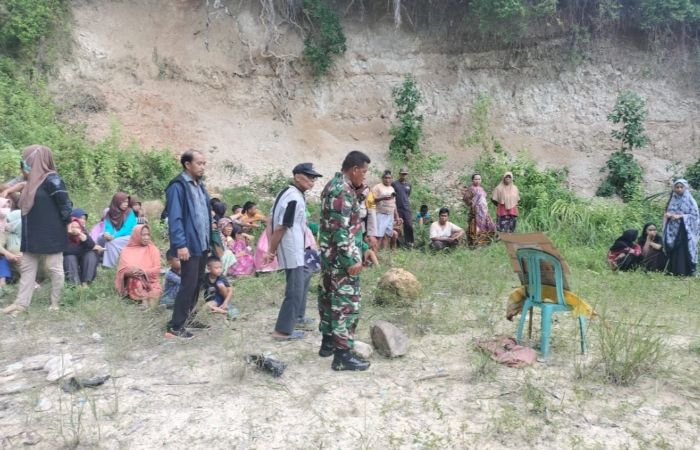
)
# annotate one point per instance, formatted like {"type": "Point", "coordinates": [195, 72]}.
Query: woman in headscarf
{"type": "Point", "coordinates": [506, 197]}
{"type": "Point", "coordinates": [119, 224]}
{"type": "Point", "coordinates": [135, 205]}
{"type": "Point", "coordinates": [681, 225]}
{"type": "Point", "coordinates": [138, 273]}
{"type": "Point", "coordinates": [482, 230]}
{"type": "Point", "coordinates": [46, 210]}
{"type": "Point", "coordinates": [653, 257]}
{"type": "Point", "coordinates": [80, 257]}
{"type": "Point", "coordinates": [625, 253]}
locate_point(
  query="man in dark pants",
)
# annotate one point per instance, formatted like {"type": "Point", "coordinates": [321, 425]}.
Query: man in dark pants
{"type": "Point", "coordinates": [288, 221]}
{"type": "Point", "coordinates": [403, 207]}
{"type": "Point", "coordinates": [189, 229]}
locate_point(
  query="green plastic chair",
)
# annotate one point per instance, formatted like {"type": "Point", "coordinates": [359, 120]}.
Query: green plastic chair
{"type": "Point", "coordinates": [531, 259]}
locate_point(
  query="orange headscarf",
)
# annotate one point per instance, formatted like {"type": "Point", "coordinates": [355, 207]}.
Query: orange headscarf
{"type": "Point", "coordinates": [40, 161]}
{"type": "Point", "coordinates": [144, 257]}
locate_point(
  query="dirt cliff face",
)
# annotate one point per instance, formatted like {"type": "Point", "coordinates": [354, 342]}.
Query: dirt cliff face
{"type": "Point", "coordinates": [217, 76]}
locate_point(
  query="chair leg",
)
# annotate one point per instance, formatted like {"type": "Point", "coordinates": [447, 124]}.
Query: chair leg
{"type": "Point", "coordinates": [546, 331]}
{"type": "Point", "coordinates": [582, 327]}
{"type": "Point", "coordinates": [529, 324]}
{"type": "Point", "coordinates": [521, 323]}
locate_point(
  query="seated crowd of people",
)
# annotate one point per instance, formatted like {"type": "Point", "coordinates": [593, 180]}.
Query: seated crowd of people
{"type": "Point", "coordinates": [676, 252]}
{"type": "Point", "coordinates": [122, 238]}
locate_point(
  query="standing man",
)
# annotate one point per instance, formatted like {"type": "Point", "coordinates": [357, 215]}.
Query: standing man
{"type": "Point", "coordinates": [189, 229]}
{"type": "Point", "coordinates": [403, 206]}
{"type": "Point", "coordinates": [341, 263]}
{"type": "Point", "coordinates": [385, 201]}
{"type": "Point", "coordinates": [288, 222]}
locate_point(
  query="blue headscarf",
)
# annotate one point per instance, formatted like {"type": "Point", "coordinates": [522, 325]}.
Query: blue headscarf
{"type": "Point", "coordinates": [686, 206]}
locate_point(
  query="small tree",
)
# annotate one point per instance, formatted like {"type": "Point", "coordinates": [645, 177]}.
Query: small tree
{"type": "Point", "coordinates": [624, 173]}
{"type": "Point", "coordinates": [406, 136]}
{"type": "Point", "coordinates": [630, 110]}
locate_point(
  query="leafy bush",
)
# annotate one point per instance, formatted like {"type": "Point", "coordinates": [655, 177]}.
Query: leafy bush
{"type": "Point", "coordinates": [325, 37]}
{"type": "Point", "coordinates": [508, 20]}
{"type": "Point", "coordinates": [24, 22]}
{"type": "Point", "coordinates": [547, 205]}
{"type": "Point", "coordinates": [480, 132]}
{"type": "Point", "coordinates": [405, 144]}
{"type": "Point", "coordinates": [624, 177]}
{"type": "Point", "coordinates": [27, 116]}
{"type": "Point", "coordinates": [271, 183]}
{"type": "Point", "coordinates": [692, 174]}
{"type": "Point", "coordinates": [630, 110]}
{"type": "Point", "coordinates": [624, 173]}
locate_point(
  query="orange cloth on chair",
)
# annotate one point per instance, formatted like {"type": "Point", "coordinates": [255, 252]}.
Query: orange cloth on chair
{"type": "Point", "coordinates": [516, 300]}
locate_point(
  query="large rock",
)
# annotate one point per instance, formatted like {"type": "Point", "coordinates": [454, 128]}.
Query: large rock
{"type": "Point", "coordinates": [397, 287]}
{"type": "Point", "coordinates": [388, 339]}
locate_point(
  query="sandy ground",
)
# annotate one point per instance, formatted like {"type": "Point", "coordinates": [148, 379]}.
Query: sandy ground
{"type": "Point", "coordinates": [442, 394]}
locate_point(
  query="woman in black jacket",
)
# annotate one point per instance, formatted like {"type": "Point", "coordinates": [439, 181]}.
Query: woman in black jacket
{"type": "Point", "coordinates": [46, 211]}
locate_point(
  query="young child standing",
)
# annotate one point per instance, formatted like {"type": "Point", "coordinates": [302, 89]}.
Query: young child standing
{"type": "Point", "coordinates": [172, 281]}
{"type": "Point", "coordinates": [217, 289]}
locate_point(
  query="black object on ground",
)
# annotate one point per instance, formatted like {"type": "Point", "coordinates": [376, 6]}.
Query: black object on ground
{"type": "Point", "coordinates": [73, 384]}
{"type": "Point", "coordinates": [268, 364]}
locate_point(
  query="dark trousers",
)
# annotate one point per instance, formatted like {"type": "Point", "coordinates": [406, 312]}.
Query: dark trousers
{"type": "Point", "coordinates": [294, 304]}
{"type": "Point", "coordinates": [81, 268]}
{"type": "Point", "coordinates": [407, 218]}
{"type": "Point", "coordinates": [191, 277]}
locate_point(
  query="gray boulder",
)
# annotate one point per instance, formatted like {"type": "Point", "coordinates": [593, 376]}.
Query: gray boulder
{"type": "Point", "coordinates": [388, 339]}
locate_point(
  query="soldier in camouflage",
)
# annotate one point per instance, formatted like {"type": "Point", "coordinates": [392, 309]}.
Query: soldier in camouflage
{"type": "Point", "coordinates": [341, 263]}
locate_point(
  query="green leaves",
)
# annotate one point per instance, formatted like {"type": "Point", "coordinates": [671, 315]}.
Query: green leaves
{"type": "Point", "coordinates": [405, 144]}
{"type": "Point", "coordinates": [630, 110]}
{"type": "Point", "coordinates": [325, 37]}
{"type": "Point", "coordinates": [24, 22]}
{"type": "Point", "coordinates": [624, 173]}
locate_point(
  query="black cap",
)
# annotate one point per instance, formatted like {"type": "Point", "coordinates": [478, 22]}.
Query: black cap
{"type": "Point", "coordinates": [306, 169]}
{"type": "Point", "coordinates": [78, 213]}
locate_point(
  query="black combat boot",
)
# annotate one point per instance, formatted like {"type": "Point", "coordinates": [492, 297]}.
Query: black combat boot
{"type": "Point", "coordinates": [346, 360]}
{"type": "Point", "coordinates": [327, 346]}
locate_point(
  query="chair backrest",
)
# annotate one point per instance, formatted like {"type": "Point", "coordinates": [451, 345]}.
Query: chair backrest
{"type": "Point", "coordinates": [533, 262]}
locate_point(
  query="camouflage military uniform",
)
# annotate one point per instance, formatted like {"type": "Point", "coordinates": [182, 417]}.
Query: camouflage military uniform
{"type": "Point", "coordinates": [338, 292]}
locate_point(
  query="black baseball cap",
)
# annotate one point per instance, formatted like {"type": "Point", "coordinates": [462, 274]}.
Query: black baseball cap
{"type": "Point", "coordinates": [306, 169]}
{"type": "Point", "coordinates": [78, 213]}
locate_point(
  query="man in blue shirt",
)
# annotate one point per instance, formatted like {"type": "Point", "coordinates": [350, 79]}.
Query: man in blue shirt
{"type": "Point", "coordinates": [189, 229]}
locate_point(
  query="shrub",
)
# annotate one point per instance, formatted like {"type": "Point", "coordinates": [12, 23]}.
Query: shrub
{"type": "Point", "coordinates": [325, 37]}
{"type": "Point", "coordinates": [624, 177]}
{"type": "Point", "coordinates": [27, 116]}
{"type": "Point", "coordinates": [24, 22]}
{"type": "Point", "coordinates": [624, 173]}
{"type": "Point", "coordinates": [692, 174]}
{"type": "Point", "coordinates": [405, 144]}
{"type": "Point", "coordinates": [628, 351]}
{"type": "Point", "coordinates": [480, 133]}
{"type": "Point", "coordinates": [547, 205]}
